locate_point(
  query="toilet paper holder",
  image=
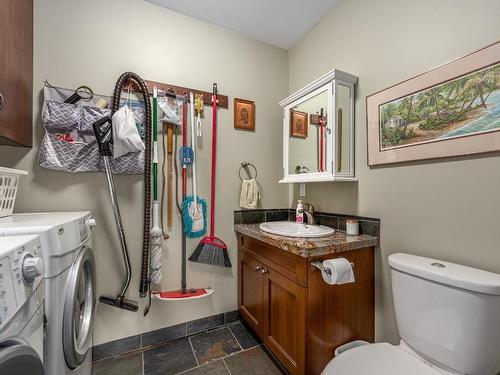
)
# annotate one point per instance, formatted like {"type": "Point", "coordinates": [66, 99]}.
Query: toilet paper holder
{"type": "Point", "coordinates": [319, 265]}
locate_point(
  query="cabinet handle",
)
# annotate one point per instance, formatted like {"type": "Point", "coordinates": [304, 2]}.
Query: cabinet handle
{"type": "Point", "coordinates": [264, 271]}
{"type": "Point", "coordinates": [258, 268]}
{"type": "Point", "coordinates": [1, 101]}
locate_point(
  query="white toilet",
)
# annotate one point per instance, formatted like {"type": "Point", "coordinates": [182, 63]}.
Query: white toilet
{"type": "Point", "coordinates": [448, 318]}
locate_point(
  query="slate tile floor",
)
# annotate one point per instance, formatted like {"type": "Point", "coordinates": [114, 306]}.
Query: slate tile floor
{"type": "Point", "coordinates": [229, 350]}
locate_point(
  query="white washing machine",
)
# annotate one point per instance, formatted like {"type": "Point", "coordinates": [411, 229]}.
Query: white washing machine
{"type": "Point", "coordinates": [66, 239]}
{"type": "Point", "coordinates": [21, 306]}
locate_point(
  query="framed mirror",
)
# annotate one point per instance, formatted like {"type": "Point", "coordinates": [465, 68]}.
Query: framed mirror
{"type": "Point", "coordinates": [318, 130]}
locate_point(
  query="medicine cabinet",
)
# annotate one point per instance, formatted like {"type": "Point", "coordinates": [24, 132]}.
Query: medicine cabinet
{"type": "Point", "coordinates": [318, 130]}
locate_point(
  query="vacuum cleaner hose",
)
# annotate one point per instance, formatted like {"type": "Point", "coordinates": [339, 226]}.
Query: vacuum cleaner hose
{"type": "Point", "coordinates": [143, 288]}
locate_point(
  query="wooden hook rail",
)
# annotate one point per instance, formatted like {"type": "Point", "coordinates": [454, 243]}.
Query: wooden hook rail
{"type": "Point", "coordinates": [179, 90]}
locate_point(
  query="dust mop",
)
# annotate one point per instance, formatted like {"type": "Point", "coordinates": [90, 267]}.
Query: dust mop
{"type": "Point", "coordinates": [212, 250]}
{"type": "Point", "coordinates": [184, 293]}
{"type": "Point", "coordinates": [194, 209]}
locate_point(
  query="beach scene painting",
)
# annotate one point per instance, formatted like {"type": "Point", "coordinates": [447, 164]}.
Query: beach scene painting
{"type": "Point", "coordinates": [463, 106]}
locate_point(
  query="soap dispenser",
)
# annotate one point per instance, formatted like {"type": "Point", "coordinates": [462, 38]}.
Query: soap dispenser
{"type": "Point", "coordinates": [299, 213]}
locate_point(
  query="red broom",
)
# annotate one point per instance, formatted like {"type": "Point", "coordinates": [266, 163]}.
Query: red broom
{"type": "Point", "coordinates": [212, 250]}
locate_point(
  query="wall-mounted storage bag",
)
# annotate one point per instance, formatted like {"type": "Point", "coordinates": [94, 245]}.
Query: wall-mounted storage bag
{"type": "Point", "coordinates": [69, 142]}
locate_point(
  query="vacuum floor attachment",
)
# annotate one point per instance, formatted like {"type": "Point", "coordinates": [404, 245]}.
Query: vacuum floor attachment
{"type": "Point", "coordinates": [104, 136]}
{"type": "Point", "coordinates": [120, 302]}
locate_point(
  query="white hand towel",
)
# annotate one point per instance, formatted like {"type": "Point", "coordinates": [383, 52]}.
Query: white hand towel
{"type": "Point", "coordinates": [341, 271]}
{"type": "Point", "coordinates": [250, 194]}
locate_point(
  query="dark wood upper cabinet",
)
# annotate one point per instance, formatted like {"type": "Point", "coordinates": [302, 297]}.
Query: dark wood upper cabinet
{"type": "Point", "coordinates": [16, 72]}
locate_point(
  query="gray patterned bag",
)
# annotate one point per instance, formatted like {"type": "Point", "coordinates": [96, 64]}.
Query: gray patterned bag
{"type": "Point", "coordinates": [69, 142]}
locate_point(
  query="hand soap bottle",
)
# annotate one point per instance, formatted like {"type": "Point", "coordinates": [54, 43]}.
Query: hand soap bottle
{"type": "Point", "coordinates": [299, 213]}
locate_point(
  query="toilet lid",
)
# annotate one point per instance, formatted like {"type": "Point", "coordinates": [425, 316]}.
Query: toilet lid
{"type": "Point", "coordinates": [377, 359]}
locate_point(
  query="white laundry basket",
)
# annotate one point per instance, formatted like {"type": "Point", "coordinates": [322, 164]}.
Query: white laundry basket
{"type": "Point", "coordinates": [9, 181]}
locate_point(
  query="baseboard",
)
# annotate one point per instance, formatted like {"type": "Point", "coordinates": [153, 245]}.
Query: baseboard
{"type": "Point", "coordinates": [162, 335]}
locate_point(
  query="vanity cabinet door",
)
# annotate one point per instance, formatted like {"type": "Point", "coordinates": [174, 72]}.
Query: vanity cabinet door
{"type": "Point", "coordinates": [285, 320]}
{"type": "Point", "coordinates": [250, 291]}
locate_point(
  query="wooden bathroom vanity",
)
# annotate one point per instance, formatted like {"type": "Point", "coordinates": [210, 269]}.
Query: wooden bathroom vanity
{"type": "Point", "coordinates": [300, 318]}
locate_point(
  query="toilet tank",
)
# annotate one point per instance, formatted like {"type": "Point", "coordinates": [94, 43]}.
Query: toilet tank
{"type": "Point", "coordinates": [448, 313]}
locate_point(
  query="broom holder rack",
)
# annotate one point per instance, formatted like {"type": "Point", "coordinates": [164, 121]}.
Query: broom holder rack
{"type": "Point", "coordinates": [222, 100]}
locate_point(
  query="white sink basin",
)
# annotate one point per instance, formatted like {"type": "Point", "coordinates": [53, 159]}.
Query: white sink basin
{"type": "Point", "coordinates": [291, 229]}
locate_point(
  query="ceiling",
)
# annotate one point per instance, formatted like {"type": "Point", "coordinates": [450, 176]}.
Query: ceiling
{"type": "Point", "coordinates": [281, 23]}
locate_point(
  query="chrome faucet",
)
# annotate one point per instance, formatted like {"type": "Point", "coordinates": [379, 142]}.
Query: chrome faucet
{"type": "Point", "coordinates": [309, 212]}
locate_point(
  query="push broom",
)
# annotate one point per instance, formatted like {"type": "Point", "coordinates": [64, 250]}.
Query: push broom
{"type": "Point", "coordinates": [212, 250]}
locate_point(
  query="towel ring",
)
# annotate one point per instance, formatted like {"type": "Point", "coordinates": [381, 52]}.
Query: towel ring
{"type": "Point", "coordinates": [245, 165]}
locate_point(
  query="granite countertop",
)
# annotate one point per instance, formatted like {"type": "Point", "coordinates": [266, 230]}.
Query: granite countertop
{"type": "Point", "coordinates": [309, 247]}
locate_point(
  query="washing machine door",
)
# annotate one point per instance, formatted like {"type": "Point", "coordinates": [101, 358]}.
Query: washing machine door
{"type": "Point", "coordinates": [79, 307]}
{"type": "Point", "coordinates": [18, 358]}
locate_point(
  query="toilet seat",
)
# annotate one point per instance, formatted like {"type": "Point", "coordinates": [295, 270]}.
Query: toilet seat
{"type": "Point", "coordinates": [379, 359]}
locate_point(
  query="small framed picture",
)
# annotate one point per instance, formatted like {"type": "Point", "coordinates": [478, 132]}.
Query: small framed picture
{"type": "Point", "coordinates": [244, 114]}
{"type": "Point", "coordinates": [298, 125]}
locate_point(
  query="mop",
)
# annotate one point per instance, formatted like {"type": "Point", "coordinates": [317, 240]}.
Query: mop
{"type": "Point", "coordinates": [156, 232]}
{"type": "Point", "coordinates": [184, 293]}
{"type": "Point", "coordinates": [212, 250]}
{"type": "Point", "coordinates": [194, 209]}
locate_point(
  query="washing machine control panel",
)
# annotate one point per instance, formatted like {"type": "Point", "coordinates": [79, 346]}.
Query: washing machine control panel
{"type": "Point", "coordinates": [70, 235]}
{"type": "Point", "coordinates": [85, 227]}
{"type": "Point", "coordinates": [8, 303]}
{"type": "Point", "coordinates": [15, 287]}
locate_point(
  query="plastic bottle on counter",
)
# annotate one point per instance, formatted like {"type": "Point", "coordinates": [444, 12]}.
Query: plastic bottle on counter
{"type": "Point", "coordinates": [299, 213]}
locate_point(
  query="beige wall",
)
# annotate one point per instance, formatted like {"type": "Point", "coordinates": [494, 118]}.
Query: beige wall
{"type": "Point", "coordinates": [93, 42]}
{"type": "Point", "coordinates": [448, 209]}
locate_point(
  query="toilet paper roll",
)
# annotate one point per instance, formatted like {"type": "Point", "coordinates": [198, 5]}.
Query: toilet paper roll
{"type": "Point", "coordinates": [341, 271]}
